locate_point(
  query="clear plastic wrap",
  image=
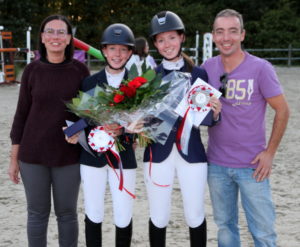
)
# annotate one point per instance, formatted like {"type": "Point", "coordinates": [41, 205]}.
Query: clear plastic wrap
{"type": "Point", "coordinates": [153, 117]}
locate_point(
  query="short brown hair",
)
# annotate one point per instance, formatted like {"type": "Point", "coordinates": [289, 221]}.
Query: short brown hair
{"type": "Point", "coordinates": [230, 13]}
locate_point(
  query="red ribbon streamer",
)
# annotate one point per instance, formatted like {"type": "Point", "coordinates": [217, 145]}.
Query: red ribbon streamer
{"type": "Point", "coordinates": [117, 156]}
{"type": "Point", "coordinates": [150, 169]}
{"type": "Point", "coordinates": [121, 187]}
{"type": "Point", "coordinates": [180, 129]}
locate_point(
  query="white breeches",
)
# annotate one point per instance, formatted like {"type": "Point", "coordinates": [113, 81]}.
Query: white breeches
{"type": "Point", "coordinates": [192, 179]}
{"type": "Point", "coordinates": [94, 182]}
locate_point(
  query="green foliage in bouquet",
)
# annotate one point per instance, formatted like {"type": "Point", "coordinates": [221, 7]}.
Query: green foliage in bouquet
{"type": "Point", "coordinates": [135, 93]}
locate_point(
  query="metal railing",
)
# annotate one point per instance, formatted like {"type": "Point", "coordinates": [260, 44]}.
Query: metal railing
{"type": "Point", "coordinates": [289, 57]}
{"type": "Point", "coordinates": [289, 54]}
{"type": "Point", "coordinates": [197, 53]}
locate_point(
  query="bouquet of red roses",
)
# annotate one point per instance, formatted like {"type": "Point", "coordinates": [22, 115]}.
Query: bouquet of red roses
{"type": "Point", "coordinates": [148, 98]}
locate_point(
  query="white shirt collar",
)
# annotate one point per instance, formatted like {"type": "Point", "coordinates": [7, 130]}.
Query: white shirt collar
{"type": "Point", "coordinates": [115, 80]}
{"type": "Point", "coordinates": [173, 65]}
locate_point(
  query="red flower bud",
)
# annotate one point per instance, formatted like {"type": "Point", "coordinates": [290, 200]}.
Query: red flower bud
{"type": "Point", "coordinates": [118, 98]}
{"type": "Point", "coordinates": [134, 84]}
{"type": "Point", "coordinates": [142, 80]}
{"type": "Point", "coordinates": [137, 82]}
{"type": "Point", "coordinates": [128, 91]}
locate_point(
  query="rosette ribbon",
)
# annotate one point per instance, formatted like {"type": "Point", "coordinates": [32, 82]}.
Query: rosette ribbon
{"type": "Point", "coordinates": [193, 108]}
{"type": "Point", "coordinates": [101, 142]}
{"type": "Point", "coordinates": [150, 173]}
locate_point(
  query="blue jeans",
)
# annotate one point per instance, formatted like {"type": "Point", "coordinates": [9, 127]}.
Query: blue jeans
{"type": "Point", "coordinates": [224, 186]}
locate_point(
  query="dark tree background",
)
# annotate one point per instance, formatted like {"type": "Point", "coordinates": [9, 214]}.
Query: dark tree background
{"type": "Point", "coordinates": [268, 23]}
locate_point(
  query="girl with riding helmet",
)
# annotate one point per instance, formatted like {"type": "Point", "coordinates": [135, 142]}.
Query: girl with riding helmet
{"type": "Point", "coordinates": [117, 44]}
{"type": "Point", "coordinates": [168, 34]}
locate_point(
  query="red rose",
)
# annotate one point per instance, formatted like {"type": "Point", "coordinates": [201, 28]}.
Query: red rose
{"type": "Point", "coordinates": [134, 84]}
{"type": "Point", "coordinates": [137, 82]}
{"type": "Point", "coordinates": [118, 98]}
{"type": "Point", "coordinates": [142, 80]}
{"type": "Point", "coordinates": [128, 91]}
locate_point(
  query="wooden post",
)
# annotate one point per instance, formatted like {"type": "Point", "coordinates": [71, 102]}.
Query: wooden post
{"type": "Point", "coordinates": [8, 57]}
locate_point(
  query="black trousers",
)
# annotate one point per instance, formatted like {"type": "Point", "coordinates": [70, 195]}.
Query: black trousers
{"type": "Point", "coordinates": [63, 183]}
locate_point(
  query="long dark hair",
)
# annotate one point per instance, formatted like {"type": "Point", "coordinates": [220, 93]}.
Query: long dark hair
{"type": "Point", "coordinates": [140, 45]}
{"type": "Point", "coordinates": [187, 60]}
{"type": "Point", "coordinates": [69, 51]}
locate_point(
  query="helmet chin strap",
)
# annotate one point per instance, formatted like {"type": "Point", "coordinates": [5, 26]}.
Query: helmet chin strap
{"type": "Point", "coordinates": [120, 68]}
{"type": "Point", "coordinates": [178, 54]}
{"type": "Point", "coordinates": [111, 67]}
{"type": "Point", "coordinates": [170, 59]}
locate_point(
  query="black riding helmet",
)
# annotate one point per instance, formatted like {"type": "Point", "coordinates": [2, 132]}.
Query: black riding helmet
{"type": "Point", "coordinates": [117, 34]}
{"type": "Point", "coordinates": [165, 21]}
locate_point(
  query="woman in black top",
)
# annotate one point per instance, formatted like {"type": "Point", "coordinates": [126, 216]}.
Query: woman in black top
{"type": "Point", "coordinates": [47, 163]}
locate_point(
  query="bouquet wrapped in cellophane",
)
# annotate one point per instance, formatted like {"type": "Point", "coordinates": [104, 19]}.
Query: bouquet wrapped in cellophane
{"type": "Point", "coordinates": [148, 100]}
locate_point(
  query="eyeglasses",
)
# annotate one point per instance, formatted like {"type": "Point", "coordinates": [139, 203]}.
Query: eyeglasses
{"type": "Point", "coordinates": [50, 32]}
{"type": "Point", "coordinates": [223, 80]}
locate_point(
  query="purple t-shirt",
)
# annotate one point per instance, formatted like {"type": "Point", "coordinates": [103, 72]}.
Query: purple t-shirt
{"type": "Point", "coordinates": [240, 135]}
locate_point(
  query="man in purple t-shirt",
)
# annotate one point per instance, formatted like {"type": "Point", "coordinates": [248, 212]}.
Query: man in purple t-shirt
{"type": "Point", "coordinates": [240, 160]}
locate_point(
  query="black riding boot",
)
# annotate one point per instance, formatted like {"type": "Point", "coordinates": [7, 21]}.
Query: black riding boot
{"type": "Point", "coordinates": [157, 236]}
{"type": "Point", "coordinates": [198, 235]}
{"type": "Point", "coordinates": [123, 236]}
{"type": "Point", "coordinates": [93, 233]}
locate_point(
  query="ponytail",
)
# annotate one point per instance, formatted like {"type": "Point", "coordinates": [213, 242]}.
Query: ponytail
{"type": "Point", "coordinates": [188, 61]}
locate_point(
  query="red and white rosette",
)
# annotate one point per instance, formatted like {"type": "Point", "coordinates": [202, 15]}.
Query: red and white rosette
{"type": "Point", "coordinates": [101, 141]}
{"type": "Point", "coordinates": [193, 109]}
{"type": "Point", "coordinates": [199, 97]}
